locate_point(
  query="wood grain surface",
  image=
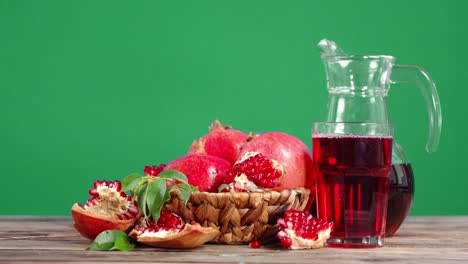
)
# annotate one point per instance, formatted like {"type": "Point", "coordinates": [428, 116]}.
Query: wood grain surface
{"type": "Point", "coordinates": [54, 240]}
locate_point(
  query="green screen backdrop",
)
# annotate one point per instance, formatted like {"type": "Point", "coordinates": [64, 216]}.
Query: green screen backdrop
{"type": "Point", "coordinates": [98, 89]}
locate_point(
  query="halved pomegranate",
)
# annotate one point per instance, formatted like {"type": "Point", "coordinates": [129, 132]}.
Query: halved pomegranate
{"type": "Point", "coordinates": [255, 173]}
{"type": "Point", "coordinates": [300, 230]}
{"type": "Point", "coordinates": [288, 150]}
{"type": "Point", "coordinates": [109, 208]}
{"type": "Point", "coordinates": [171, 232]}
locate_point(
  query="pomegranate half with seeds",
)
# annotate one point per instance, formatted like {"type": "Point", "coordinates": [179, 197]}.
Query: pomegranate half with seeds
{"type": "Point", "coordinates": [300, 230]}
{"type": "Point", "coordinates": [171, 232]}
{"type": "Point", "coordinates": [108, 209]}
{"type": "Point", "coordinates": [255, 173]}
{"type": "Point", "coordinates": [290, 152]}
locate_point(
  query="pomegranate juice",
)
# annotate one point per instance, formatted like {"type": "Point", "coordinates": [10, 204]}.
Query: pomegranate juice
{"type": "Point", "coordinates": [352, 186]}
{"type": "Point", "coordinates": [400, 196]}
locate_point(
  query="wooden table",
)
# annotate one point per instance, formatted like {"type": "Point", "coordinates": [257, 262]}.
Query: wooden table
{"type": "Point", "coordinates": [53, 239]}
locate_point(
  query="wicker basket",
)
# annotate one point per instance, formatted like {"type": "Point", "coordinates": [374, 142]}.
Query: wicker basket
{"type": "Point", "coordinates": [241, 217]}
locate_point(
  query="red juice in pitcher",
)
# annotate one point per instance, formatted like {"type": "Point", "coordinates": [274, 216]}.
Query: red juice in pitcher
{"type": "Point", "coordinates": [352, 185]}
{"type": "Point", "coordinates": [400, 196]}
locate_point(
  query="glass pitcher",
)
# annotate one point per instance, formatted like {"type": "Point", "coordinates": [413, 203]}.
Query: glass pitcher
{"type": "Point", "coordinates": [358, 86]}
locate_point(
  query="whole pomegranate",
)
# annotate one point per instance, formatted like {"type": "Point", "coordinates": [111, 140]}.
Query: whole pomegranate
{"type": "Point", "coordinates": [204, 171]}
{"type": "Point", "coordinates": [108, 208]}
{"type": "Point", "coordinates": [290, 152]}
{"type": "Point", "coordinates": [300, 230]}
{"type": "Point", "coordinates": [221, 141]}
{"type": "Point", "coordinates": [171, 232]}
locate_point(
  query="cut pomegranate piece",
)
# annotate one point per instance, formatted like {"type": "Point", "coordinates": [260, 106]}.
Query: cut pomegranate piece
{"type": "Point", "coordinates": [171, 232]}
{"type": "Point", "coordinates": [288, 150]}
{"type": "Point", "coordinates": [300, 230]}
{"type": "Point", "coordinates": [221, 141]}
{"type": "Point", "coordinates": [167, 221]}
{"type": "Point", "coordinates": [255, 173]}
{"type": "Point", "coordinates": [109, 208]}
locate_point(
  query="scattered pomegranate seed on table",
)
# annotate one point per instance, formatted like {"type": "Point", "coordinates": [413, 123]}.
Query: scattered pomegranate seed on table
{"type": "Point", "coordinates": [255, 244]}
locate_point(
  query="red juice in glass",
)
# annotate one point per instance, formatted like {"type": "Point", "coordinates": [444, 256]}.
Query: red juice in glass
{"type": "Point", "coordinates": [352, 173]}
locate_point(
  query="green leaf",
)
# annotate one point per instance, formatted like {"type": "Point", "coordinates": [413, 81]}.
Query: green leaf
{"type": "Point", "coordinates": [142, 196]}
{"type": "Point", "coordinates": [185, 195]}
{"type": "Point", "coordinates": [193, 188]}
{"type": "Point", "coordinates": [167, 195]}
{"type": "Point", "coordinates": [123, 244]}
{"type": "Point", "coordinates": [155, 195]}
{"type": "Point", "coordinates": [152, 192]}
{"type": "Point", "coordinates": [112, 240]}
{"type": "Point", "coordinates": [94, 246]}
{"type": "Point", "coordinates": [185, 186]}
{"type": "Point", "coordinates": [222, 187]}
{"type": "Point", "coordinates": [130, 183]}
{"type": "Point", "coordinates": [142, 182]}
{"type": "Point", "coordinates": [173, 174]}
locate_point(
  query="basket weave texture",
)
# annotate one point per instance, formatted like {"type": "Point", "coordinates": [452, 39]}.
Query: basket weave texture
{"type": "Point", "coordinates": [241, 217]}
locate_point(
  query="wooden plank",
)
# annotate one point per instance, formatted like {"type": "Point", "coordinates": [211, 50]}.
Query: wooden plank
{"type": "Point", "coordinates": [53, 239]}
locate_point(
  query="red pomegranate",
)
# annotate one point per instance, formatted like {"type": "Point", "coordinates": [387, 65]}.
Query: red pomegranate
{"type": "Point", "coordinates": [204, 171]}
{"type": "Point", "coordinates": [300, 230]}
{"type": "Point", "coordinates": [171, 232]}
{"type": "Point", "coordinates": [221, 141]}
{"type": "Point", "coordinates": [109, 208]}
{"type": "Point", "coordinates": [254, 173]}
{"type": "Point", "coordinates": [290, 152]}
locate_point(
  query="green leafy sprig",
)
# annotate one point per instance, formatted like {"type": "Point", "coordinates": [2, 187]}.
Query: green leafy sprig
{"type": "Point", "coordinates": [112, 240]}
{"type": "Point", "coordinates": [152, 192]}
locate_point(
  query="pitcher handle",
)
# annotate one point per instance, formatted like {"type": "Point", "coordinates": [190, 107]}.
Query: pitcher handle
{"type": "Point", "coordinates": [416, 74]}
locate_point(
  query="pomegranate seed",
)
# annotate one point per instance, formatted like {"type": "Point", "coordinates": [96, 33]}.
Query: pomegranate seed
{"type": "Point", "coordinates": [255, 244]}
{"type": "Point", "coordinates": [286, 242]}
{"type": "Point", "coordinates": [166, 221]}
{"type": "Point", "coordinates": [259, 169]}
{"type": "Point", "coordinates": [117, 185]}
{"type": "Point", "coordinates": [154, 170]}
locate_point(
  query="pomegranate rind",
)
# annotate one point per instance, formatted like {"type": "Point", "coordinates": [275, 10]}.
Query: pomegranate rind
{"type": "Point", "coordinates": [289, 151]}
{"type": "Point", "coordinates": [298, 242]}
{"type": "Point", "coordinates": [203, 171]}
{"type": "Point", "coordinates": [190, 236]}
{"type": "Point", "coordinates": [222, 141]}
{"type": "Point", "coordinates": [300, 230]}
{"type": "Point", "coordinates": [90, 226]}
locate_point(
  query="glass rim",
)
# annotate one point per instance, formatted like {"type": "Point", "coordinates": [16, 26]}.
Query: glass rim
{"type": "Point", "coordinates": [354, 128]}
{"type": "Point", "coordinates": [354, 123]}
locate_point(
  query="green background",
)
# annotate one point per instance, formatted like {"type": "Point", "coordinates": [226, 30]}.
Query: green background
{"type": "Point", "coordinates": [98, 89]}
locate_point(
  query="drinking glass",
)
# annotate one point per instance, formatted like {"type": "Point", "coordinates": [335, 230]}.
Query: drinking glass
{"type": "Point", "coordinates": [352, 163]}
